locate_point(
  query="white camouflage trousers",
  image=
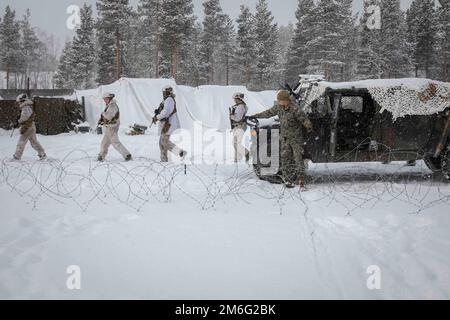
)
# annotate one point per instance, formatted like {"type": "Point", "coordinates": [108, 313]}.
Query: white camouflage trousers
{"type": "Point", "coordinates": [165, 145]}
{"type": "Point", "coordinates": [239, 150]}
{"type": "Point", "coordinates": [111, 137]}
{"type": "Point", "coordinates": [29, 135]}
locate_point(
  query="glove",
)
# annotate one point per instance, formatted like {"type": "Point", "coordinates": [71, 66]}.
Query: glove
{"type": "Point", "coordinates": [154, 120]}
{"type": "Point", "coordinates": [308, 125]}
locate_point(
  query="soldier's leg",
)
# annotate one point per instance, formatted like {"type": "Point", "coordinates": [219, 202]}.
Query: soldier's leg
{"type": "Point", "coordinates": [24, 137]}
{"type": "Point", "coordinates": [172, 147]}
{"type": "Point", "coordinates": [114, 138]}
{"type": "Point", "coordinates": [236, 145]}
{"type": "Point", "coordinates": [104, 146]}
{"type": "Point", "coordinates": [35, 143]}
{"type": "Point", "coordinates": [287, 162]}
{"type": "Point", "coordinates": [299, 163]}
{"type": "Point", "coordinates": [241, 151]}
{"type": "Point", "coordinates": [163, 147]}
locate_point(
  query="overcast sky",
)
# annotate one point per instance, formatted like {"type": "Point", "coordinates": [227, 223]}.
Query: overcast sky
{"type": "Point", "coordinates": [51, 16]}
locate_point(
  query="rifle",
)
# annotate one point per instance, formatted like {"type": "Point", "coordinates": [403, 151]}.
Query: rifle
{"type": "Point", "coordinates": [157, 113]}
{"type": "Point", "coordinates": [14, 126]}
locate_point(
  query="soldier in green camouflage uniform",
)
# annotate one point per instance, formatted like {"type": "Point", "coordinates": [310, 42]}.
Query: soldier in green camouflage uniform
{"type": "Point", "coordinates": [292, 121]}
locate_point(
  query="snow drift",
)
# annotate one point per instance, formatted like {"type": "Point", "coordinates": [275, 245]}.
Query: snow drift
{"type": "Point", "coordinates": [206, 105]}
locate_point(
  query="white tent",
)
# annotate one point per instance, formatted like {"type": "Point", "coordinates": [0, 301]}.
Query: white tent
{"type": "Point", "coordinates": [138, 98]}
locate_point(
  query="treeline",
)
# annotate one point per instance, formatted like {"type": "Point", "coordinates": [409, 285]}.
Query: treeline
{"type": "Point", "coordinates": [25, 53]}
{"type": "Point", "coordinates": [163, 38]}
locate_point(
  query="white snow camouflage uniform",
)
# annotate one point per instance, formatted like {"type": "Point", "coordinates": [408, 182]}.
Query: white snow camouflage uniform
{"type": "Point", "coordinates": [168, 124]}
{"type": "Point", "coordinates": [111, 122]}
{"type": "Point", "coordinates": [238, 113]}
{"type": "Point", "coordinates": [27, 130]}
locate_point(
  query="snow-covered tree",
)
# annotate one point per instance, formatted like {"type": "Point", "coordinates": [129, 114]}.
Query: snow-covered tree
{"type": "Point", "coordinates": [228, 49]}
{"type": "Point", "coordinates": [64, 74]}
{"type": "Point", "coordinates": [83, 51]}
{"type": "Point", "coordinates": [11, 58]}
{"type": "Point", "coordinates": [146, 38]}
{"type": "Point", "coordinates": [213, 25]}
{"type": "Point", "coordinates": [421, 21]}
{"type": "Point", "coordinates": [393, 40]}
{"type": "Point", "coordinates": [178, 22]}
{"type": "Point", "coordinates": [300, 52]}
{"type": "Point", "coordinates": [190, 63]}
{"type": "Point", "coordinates": [444, 40]}
{"type": "Point", "coordinates": [330, 45]}
{"type": "Point", "coordinates": [266, 36]}
{"type": "Point", "coordinates": [113, 31]}
{"type": "Point", "coordinates": [282, 53]}
{"type": "Point", "coordinates": [246, 51]}
{"type": "Point", "coordinates": [369, 60]}
{"type": "Point", "coordinates": [29, 45]}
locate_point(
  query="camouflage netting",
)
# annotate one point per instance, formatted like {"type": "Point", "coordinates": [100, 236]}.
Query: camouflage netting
{"type": "Point", "coordinates": [400, 97]}
{"type": "Point", "coordinates": [402, 101]}
{"type": "Point", "coordinates": [53, 115]}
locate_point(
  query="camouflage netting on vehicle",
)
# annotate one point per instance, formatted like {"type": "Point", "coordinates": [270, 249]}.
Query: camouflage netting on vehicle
{"type": "Point", "coordinates": [402, 101]}
{"type": "Point", "coordinates": [400, 97]}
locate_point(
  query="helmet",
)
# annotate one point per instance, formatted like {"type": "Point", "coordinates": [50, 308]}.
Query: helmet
{"type": "Point", "coordinates": [238, 95]}
{"type": "Point", "coordinates": [109, 95]}
{"type": "Point", "coordinates": [22, 97]}
{"type": "Point", "coordinates": [167, 91]}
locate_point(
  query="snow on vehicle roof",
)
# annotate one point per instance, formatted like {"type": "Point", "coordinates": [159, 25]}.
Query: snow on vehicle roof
{"type": "Point", "coordinates": [401, 97]}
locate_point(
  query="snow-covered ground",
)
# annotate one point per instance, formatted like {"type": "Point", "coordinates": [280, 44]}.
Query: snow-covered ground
{"type": "Point", "coordinates": [144, 230]}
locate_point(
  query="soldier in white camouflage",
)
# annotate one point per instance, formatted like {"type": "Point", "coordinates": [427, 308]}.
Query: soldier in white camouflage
{"type": "Point", "coordinates": [110, 120]}
{"type": "Point", "coordinates": [292, 122]}
{"type": "Point", "coordinates": [238, 115]}
{"type": "Point", "coordinates": [27, 128]}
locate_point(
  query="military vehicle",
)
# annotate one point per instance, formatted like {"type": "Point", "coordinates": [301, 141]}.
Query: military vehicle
{"type": "Point", "coordinates": [366, 121]}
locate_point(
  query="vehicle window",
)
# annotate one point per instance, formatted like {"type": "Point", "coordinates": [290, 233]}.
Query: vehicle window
{"type": "Point", "coordinates": [322, 105]}
{"type": "Point", "coordinates": [354, 104]}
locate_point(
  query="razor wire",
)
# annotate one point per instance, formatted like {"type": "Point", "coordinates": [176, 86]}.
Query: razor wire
{"type": "Point", "coordinates": [79, 179]}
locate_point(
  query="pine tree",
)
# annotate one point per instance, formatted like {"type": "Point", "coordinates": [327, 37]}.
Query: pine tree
{"type": "Point", "coordinates": [30, 46]}
{"type": "Point", "coordinates": [146, 35]}
{"type": "Point", "coordinates": [228, 49]}
{"type": "Point", "coordinates": [190, 63]}
{"type": "Point", "coordinates": [176, 25]}
{"type": "Point", "coordinates": [369, 60]}
{"type": "Point", "coordinates": [213, 25]}
{"type": "Point", "coordinates": [394, 46]}
{"type": "Point", "coordinates": [82, 54]}
{"type": "Point", "coordinates": [113, 33]}
{"type": "Point", "coordinates": [421, 21]}
{"type": "Point", "coordinates": [282, 53]}
{"type": "Point", "coordinates": [300, 53]}
{"type": "Point", "coordinates": [266, 32]}
{"type": "Point", "coordinates": [11, 59]}
{"type": "Point", "coordinates": [444, 40]}
{"type": "Point", "coordinates": [246, 51]}
{"type": "Point", "coordinates": [64, 75]}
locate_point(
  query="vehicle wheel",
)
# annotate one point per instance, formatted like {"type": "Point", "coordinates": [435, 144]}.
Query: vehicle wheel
{"type": "Point", "coordinates": [434, 164]}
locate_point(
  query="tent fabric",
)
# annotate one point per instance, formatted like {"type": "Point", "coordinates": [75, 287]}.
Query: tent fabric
{"type": "Point", "coordinates": [205, 105]}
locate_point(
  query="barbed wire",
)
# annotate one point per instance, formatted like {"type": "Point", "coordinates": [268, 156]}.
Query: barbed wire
{"type": "Point", "coordinates": [78, 178]}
